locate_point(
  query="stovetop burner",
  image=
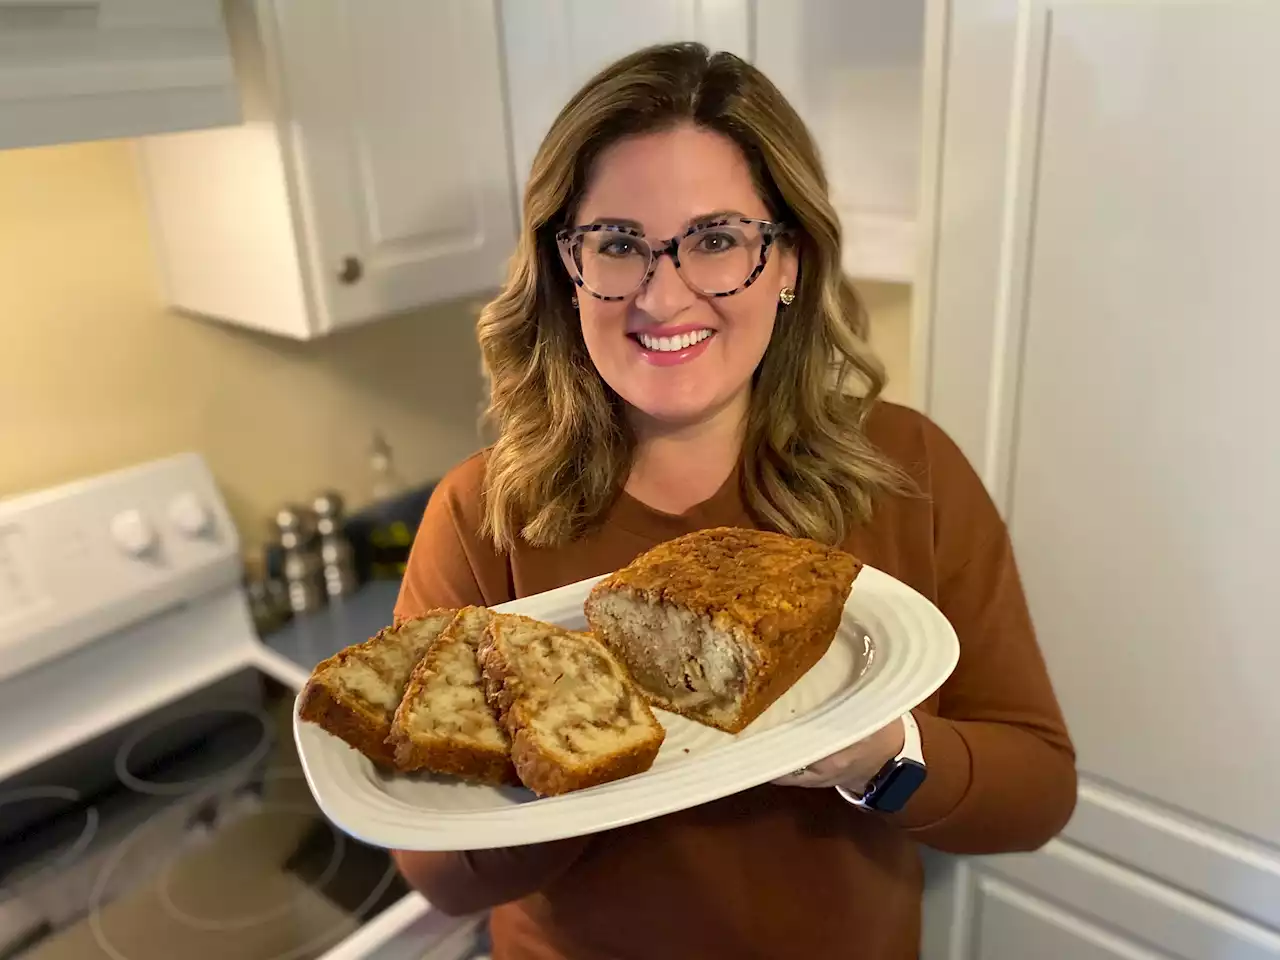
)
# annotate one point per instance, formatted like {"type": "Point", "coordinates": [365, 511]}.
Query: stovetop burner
{"type": "Point", "coordinates": [189, 833]}
{"type": "Point", "coordinates": [62, 803]}
{"type": "Point", "coordinates": [171, 738]}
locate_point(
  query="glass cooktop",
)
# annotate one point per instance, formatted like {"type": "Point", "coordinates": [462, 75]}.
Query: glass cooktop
{"type": "Point", "coordinates": [188, 834]}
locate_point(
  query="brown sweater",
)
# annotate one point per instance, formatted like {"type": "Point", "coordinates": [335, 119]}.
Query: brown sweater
{"type": "Point", "coordinates": [776, 872]}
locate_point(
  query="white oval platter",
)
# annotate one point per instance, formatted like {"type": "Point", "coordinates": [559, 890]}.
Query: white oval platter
{"type": "Point", "coordinates": [893, 650]}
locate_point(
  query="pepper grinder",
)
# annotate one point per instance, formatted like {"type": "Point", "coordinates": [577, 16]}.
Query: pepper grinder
{"type": "Point", "coordinates": [337, 559]}
{"type": "Point", "coordinates": [303, 573]}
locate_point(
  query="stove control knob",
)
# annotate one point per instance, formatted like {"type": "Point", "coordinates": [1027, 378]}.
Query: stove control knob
{"type": "Point", "coordinates": [190, 516]}
{"type": "Point", "coordinates": [133, 533]}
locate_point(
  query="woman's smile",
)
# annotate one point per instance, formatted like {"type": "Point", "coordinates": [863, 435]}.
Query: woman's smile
{"type": "Point", "coordinates": [665, 347]}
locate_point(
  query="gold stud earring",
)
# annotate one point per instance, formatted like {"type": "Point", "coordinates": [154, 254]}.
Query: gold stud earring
{"type": "Point", "coordinates": [787, 296]}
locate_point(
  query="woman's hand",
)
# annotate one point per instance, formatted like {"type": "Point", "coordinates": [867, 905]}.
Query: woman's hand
{"type": "Point", "coordinates": [853, 767]}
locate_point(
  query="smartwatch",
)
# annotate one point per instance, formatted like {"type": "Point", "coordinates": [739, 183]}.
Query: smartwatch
{"type": "Point", "coordinates": [891, 788]}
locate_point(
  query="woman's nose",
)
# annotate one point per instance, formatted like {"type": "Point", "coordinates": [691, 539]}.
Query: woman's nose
{"type": "Point", "coordinates": [665, 293]}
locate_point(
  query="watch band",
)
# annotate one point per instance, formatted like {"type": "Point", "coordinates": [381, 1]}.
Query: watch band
{"type": "Point", "coordinates": [898, 779]}
{"type": "Point", "coordinates": [911, 746]}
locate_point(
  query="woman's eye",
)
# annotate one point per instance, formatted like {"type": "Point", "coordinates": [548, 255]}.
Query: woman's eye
{"type": "Point", "coordinates": [715, 242]}
{"type": "Point", "coordinates": [620, 247]}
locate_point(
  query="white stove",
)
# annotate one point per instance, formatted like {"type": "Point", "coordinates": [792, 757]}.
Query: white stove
{"type": "Point", "coordinates": [151, 801]}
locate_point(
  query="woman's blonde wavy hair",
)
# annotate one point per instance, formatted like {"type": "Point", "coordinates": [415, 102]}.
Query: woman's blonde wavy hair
{"type": "Point", "coordinates": [563, 447]}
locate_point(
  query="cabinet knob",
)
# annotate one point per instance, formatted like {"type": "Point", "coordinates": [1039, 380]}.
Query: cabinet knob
{"type": "Point", "coordinates": [352, 270]}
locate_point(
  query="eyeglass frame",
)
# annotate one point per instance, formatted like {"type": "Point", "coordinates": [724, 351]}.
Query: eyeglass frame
{"type": "Point", "coordinates": [770, 230]}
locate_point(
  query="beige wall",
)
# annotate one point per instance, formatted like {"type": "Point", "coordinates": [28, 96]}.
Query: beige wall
{"type": "Point", "coordinates": [95, 372]}
{"type": "Point", "coordinates": [889, 307]}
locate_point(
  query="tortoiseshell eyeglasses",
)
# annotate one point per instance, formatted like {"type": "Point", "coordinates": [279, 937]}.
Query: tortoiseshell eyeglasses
{"type": "Point", "coordinates": [717, 258]}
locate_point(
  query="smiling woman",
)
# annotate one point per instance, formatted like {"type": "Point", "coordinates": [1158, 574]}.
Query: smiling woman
{"type": "Point", "coordinates": [676, 349]}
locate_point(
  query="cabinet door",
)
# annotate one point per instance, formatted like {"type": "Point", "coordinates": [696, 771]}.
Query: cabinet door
{"type": "Point", "coordinates": [554, 46]}
{"type": "Point", "coordinates": [1102, 321]}
{"type": "Point", "coordinates": [852, 69]}
{"type": "Point", "coordinates": [396, 123]}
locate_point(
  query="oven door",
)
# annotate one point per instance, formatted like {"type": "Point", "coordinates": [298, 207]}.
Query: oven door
{"type": "Point", "coordinates": [190, 834]}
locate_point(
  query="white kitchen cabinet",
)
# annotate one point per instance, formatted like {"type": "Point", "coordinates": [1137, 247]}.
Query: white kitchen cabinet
{"type": "Point", "coordinates": [89, 69]}
{"type": "Point", "coordinates": [372, 175]}
{"type": "Point", "coordinates": [1097, 313]}
{"type": "Point", "coordinates": [853, 70]}
{"type": "Point", "coordinates": [555, 46]}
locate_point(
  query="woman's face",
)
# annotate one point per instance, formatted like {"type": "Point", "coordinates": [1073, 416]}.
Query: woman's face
{"type": "Point", "coordinates": [661, 184]}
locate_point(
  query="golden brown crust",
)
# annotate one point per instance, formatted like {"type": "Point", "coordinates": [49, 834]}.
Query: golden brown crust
{"type": "Point", "coordinates": [361, 724]}
{"type": "Point", "coordinates": [546, 777]}
{"type": "Point", "coordinates": [415, 750]}
{"type": "Point", "coordinates": [766, 582]}
{"type": "Point", "coordinates": [501, 682]}
{"type": "Point", "coordinates": [466, 761]}
{"type": "Point", "coordinates": [539, 769]}
{"type": "Point", "coordinates": [347, 721]}
{"type": "Point", "coordinates": [782, 595]}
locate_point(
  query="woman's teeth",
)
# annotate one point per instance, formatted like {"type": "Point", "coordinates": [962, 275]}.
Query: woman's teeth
{"type": "Point", "coordinates": [681, 341]}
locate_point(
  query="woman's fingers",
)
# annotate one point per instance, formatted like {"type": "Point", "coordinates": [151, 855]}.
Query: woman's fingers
{"type": "Point", "coordinates": [822, 773]}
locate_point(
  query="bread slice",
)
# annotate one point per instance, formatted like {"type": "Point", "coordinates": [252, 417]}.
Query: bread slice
{"type": "Point", "coordinates": [354, 694]}
{"type": "Point", "coordinates": [574, 717]}
{"type": "Point", "coordinates": [718, 624]}
{"type": "Point", "coordinates": [444, 723]}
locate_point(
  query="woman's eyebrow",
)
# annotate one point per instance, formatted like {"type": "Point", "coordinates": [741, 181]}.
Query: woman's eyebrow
{"type": "Point", "coordinates": [714, 215]}
{"type": "Point", "coordinates": [616, 222]}
{"type": "Point", "coordinates": [637, 225]}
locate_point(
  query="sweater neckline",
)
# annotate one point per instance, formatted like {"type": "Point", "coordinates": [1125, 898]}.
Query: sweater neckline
{"type": "Point", "coordinates": [724, 508]}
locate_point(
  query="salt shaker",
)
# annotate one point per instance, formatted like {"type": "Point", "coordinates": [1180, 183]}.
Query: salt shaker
{"type": "Point", "coordinates": [336, 556]}
{"type": "Point", "coordinates": [303, 570]}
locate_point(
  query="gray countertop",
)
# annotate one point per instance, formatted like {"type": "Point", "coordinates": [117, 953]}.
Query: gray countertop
{"type": "Point", "coordinates": [308, 639]}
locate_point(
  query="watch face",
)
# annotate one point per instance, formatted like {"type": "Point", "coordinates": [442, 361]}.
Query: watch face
{"type": "Point", "coordinates": [895, 786]}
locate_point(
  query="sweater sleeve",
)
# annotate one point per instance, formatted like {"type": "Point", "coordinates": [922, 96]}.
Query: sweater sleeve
{"type": "Point", "coordinates": [451, 565]}
{"type": "Point", "coordinates": [1002, 774]}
